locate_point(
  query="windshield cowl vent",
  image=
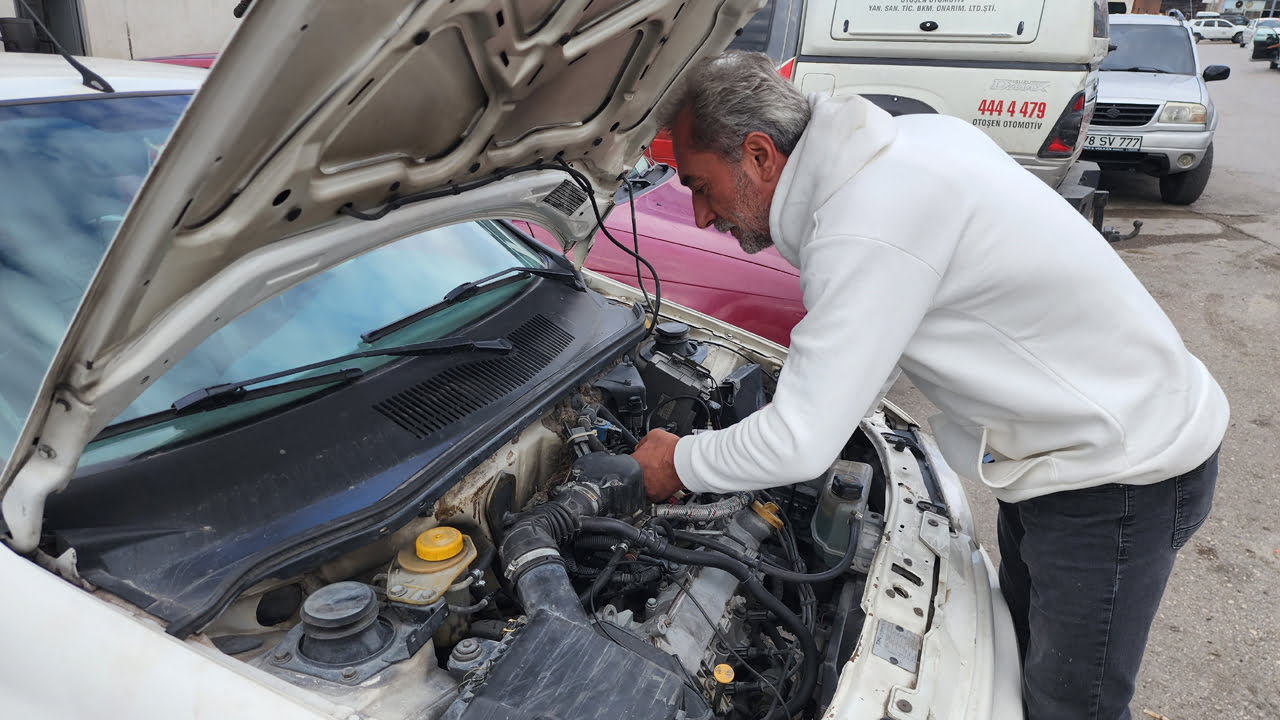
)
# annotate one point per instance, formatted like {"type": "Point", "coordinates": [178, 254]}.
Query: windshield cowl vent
{"type": "Point", "coordinates": [457, 392]}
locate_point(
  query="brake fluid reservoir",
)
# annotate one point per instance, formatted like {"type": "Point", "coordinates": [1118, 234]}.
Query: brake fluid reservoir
{"type": "Point", "coordinates": [842, 501]}
{"type": "Point", "coordinates": [420, 575]}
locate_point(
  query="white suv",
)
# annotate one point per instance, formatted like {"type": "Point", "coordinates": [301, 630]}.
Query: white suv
{"type": "Point", "coordinates": [1154, 113]}
{"type": "Point", "coordinates": [1216, 29]}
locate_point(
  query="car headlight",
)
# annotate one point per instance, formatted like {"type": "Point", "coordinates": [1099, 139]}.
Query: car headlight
{"type": "Point", "coordinates": [1184, 113]}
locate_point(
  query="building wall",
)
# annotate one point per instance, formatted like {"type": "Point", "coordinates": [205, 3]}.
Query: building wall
{"type": "Point", "coordinates": [151, 28]}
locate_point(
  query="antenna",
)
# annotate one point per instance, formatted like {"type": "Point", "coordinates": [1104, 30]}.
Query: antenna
{"type": "Point", "coordinates": [89, 78]}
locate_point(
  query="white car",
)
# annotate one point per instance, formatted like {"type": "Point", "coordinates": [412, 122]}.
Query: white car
{"type": "Point", "coordinates": [1215, 29]}
{"type": "Point", "coordinates": [319, 435]}
{"type": "Point", "coordinates": [1154, 111]}
{"type": "Point", "coordinates": [1246, 36]}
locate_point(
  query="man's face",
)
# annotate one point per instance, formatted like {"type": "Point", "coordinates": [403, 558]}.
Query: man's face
{"type": "Point", "coordinates": [725, 194]}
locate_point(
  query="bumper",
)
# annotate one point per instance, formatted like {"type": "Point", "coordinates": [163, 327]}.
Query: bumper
{"type": "Point", "coordinates": [1161, 150]}
{"type": "Point", "coordinates": [1051, 171]}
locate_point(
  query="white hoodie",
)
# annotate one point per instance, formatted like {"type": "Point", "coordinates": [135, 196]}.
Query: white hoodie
{"type": "Point", "coordinates": [922, 245]}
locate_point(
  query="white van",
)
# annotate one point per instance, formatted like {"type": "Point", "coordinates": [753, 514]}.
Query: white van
{"type": "Point", "coordinates": [1024, 71]}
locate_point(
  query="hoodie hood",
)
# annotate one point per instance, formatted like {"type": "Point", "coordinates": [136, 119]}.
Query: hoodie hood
{"type": "Point", "coordinates": [854, 131]}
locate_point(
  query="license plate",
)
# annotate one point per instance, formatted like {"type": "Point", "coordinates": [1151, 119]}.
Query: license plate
{"type": "Point", "coordinates": [1113, 142]}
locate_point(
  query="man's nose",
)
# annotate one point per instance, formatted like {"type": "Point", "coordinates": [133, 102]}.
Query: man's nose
{"type": "Point", "coordinates": [702, 215]}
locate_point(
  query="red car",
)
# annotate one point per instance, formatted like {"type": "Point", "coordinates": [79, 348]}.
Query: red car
{"type": "Point", "coordinates": [703, 269]}
{"type": "Point", "coordinates": [200, 60]}
{"type": "Point", "coordinates": [699, 268]}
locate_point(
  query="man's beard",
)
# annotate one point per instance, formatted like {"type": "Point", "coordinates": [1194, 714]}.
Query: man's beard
{"type": "Point", "coordinates": [751, 221]}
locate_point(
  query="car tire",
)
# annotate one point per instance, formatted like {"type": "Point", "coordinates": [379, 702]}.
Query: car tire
{"type": "Point", "coordinates": [1186, 187]}
{"type": "Point", "coordinates": [1238, 38]}
{"type": "Point", "coordinates": [1199, 37]}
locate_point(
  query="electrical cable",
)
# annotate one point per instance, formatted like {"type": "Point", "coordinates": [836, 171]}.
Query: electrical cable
{"type": "Point", "coordinates": [585, 183]}
{"type": "Point", "coordinates": [635, 243]}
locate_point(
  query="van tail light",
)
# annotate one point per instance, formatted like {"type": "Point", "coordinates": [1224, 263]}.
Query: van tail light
{"type": "Point", "coordinates": [786, 68]}
{"type": "Point", "coordinates": [1065, 134]}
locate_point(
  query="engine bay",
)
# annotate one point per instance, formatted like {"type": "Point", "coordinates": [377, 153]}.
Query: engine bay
{"type": "Point", "coordinates": [544, 585]}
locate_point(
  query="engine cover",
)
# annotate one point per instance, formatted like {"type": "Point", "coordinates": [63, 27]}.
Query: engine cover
{"type": "Point", "coordinates": [555, 668]}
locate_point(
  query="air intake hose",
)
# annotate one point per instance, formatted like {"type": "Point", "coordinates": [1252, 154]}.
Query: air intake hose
{"type": "Point", "coordinates": [600, 484]}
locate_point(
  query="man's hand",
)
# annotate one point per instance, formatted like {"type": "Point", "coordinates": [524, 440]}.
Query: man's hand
{"type": "Point", "coordinates": [656, 454]}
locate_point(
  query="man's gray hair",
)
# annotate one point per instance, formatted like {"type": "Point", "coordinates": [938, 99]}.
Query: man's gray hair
{"type": "Point", "coordinates": [736, 93]}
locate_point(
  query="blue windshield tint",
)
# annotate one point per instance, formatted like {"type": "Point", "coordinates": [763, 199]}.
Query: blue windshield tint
{"type": "Point", "coordinates": [68, 171]}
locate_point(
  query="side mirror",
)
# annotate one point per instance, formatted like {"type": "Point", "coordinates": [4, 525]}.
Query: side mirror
{"type": "Point", "coordinates": [1112, 47]}
{"type": "Point", "coordinates": [1216, 72]}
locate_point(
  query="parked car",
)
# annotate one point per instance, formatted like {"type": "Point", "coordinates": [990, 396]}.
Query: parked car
{"type": "Point", "coordinates": [199, 60]}
{"type": "Point", "coordinates": [1246, 37]}
{"type": "Point", "coordinates": [317, 398]}
{"type": "Point", "coordinates": [1235, 19]}
{"type": "Point", "coordinates": [1265, 42]}
{"type": "Point", "coordinates": [1154, 112]}
{"type": "Point", "coordinates": [1215, 29]}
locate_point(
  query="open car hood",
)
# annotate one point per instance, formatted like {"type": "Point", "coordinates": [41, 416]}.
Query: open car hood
{"type": "Point", "coordinates": [317, 106]}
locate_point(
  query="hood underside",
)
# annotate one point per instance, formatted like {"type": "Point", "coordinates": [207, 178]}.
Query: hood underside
{"type": "Point", "coordinates": [318, 106]}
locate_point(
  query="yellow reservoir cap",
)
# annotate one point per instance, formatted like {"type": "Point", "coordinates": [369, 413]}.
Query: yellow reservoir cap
{"type": "Point", "coordinates": [769, 513]}
{"type": "Point", "coordinates": [439, 543]}
{"type": "Point", "coordinates": [723, 673]}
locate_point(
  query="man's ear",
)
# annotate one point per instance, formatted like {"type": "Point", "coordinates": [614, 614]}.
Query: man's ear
{"type": "Point", "coordinates": [761, 157]}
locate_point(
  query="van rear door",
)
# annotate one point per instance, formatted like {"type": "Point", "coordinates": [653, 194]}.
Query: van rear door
{"type": "Point", "coordinates": [984, 21]}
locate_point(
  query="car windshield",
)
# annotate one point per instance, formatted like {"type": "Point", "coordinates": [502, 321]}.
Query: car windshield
{"type": "Point", "coordinates": [323, 317]}
{"type": "Point", "coordinates": [1151, 48]}
{"type": "Point", "coordinates": [68, 171]}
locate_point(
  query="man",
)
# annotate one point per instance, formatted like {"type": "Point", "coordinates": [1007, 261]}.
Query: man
{"type": "Point", "coordinates": [922, 246]}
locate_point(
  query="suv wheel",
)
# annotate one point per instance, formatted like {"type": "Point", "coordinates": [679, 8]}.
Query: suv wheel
{"type": "Point", "coordinates": [1199, 37]}
{"type": "Point", "coordinates": [1238, 38]}
{"type": "Point", "coordinates": [1185, 188]}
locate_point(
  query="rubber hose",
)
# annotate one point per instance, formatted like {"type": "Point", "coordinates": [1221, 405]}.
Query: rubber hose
{"type": "Point", "coordinates": [588, 595]}
{"type": "Point", "coordinates": [773, 570]}
{"type": "Point", "coordinates": [659, 547]}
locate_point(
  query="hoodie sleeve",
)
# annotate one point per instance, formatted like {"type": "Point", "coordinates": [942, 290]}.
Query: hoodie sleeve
{"type": "Point", "coordinates": [865, 300]}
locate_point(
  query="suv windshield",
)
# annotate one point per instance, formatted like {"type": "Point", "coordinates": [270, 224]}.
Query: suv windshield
{"type": "Point", "coordinates": [1151, 48]}
{"type": "Point", "coordinates": [68, 170]}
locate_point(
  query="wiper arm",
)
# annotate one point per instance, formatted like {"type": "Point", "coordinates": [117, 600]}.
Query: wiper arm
{"type": "Point", "coordinates": [217, 396]}
{"type": "Point", "coordinates": [431, 347]}
{"type": "Point", "coordinates": [1143, 69]}
{"type": "Point", "coordinates": [468, 290]}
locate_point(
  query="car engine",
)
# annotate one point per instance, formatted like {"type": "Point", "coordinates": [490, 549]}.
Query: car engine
{"type": "Point", "coordinates": [546, 586]}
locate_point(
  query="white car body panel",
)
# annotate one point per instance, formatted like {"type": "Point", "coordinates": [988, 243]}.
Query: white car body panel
{"type": "Point", "coordinates": [25, 75]}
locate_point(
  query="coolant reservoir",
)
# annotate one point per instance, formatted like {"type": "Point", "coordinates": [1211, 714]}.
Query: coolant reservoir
{"type": "Point", "coordinates": [423, 573]}
{"type": "Point", "coordinates": [842, 501]}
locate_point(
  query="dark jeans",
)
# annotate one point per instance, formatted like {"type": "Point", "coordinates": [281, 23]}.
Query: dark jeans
{"type": "Point", "coordinates": [1083, 572]}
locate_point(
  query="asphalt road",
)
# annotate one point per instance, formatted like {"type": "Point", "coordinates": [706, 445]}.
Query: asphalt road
{"type": "Point", "coordinates": [1214, 651]}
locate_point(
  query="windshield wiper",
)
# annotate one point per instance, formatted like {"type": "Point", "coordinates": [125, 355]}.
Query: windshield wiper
{"type": "Point", "coordinates": [468, 290]}
{"type": "Point", "coordinates": [218, 396]}
{"type": "Point", "coordinates": [1143, 69]}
